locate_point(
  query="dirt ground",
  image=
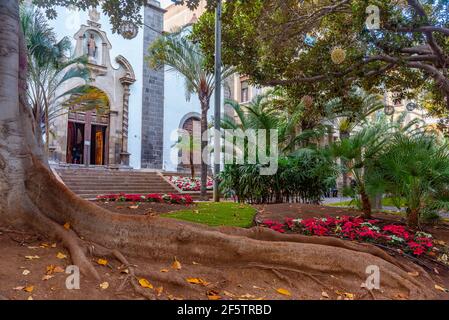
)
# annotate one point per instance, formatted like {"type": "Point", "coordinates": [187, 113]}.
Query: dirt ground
{"type": "Point", "coordinates": [27, 256]}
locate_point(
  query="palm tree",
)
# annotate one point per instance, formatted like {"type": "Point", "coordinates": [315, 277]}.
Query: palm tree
{"type": "Point", "coordinates": [48, 69]}
{"type": "Point", "coordinates": [180, 54]}
{"type": "Point", "coordinates": [263, 112]}
{"type": "Point", "coordinates": [346, 114]}
{"type": "Point", "coordinates": [357, 153]}
{"type": "Point", "coordinates": [415, 168]}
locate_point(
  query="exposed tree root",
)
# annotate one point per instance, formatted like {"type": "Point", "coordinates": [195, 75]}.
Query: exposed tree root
{"type": "Point", "coordinates": [68, 238]}
{"type": "Point", "coordinates": [264, 234]}
{"type": "Point", "coordinates": [161, 239]}
{"type": "Point", "coordinates": [276, 269]}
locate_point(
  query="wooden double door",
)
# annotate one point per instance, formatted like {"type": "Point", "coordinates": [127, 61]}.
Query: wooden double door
{"type": "Point", "coordinates": [87, 139]}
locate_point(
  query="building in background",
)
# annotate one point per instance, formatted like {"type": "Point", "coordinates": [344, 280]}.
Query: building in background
{"type": "Point", "coordinates": [132, 133]}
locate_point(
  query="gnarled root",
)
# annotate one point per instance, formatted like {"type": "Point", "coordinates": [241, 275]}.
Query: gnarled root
{"type": "Point", "coordinates": [161, 239]}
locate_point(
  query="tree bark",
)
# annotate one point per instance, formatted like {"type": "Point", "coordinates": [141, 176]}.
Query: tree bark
{"type": "Point", "coordinates": [32, 196]}
{"type": "Point", "coordinates": [366, 204]}
{"type": "Point", "coordinates": [413, 218]}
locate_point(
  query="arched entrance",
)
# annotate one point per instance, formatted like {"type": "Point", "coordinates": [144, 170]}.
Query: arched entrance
{"type": "Point", "coordinates": [191, 162]}
{"type": "Point", "coordinates": [88, 128]}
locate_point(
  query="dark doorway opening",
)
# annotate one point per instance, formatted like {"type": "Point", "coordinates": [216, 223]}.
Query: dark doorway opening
{"type": "Point", "coordinates": [75, 143]}
{"type": "Point", "coordinates": [98, 144]}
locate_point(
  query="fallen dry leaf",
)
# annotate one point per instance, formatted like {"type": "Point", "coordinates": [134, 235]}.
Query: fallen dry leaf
{"type": "Point", "coordinates": [213, 295]}
{"type": "Point", "coordinates": [197, 281]}
{"type": "Point", "coordinates": [144, 283]}
{"type": "Point", "coordinates": [176, 265]}
{"type": "Point", "coordinates": [346, 295]}
{"type": "Point", "coordinates": [30, 298]}
{"type": "Point", "coordinates": [440, 242]}
{"type": "Point", "coordinates": [133, 207]}
{"type": "Point", "coordinates": [28, 289]}
{"type": "Point", "coordinates": [159, 290]}
{"type": "Point", "coordinates": [47, 277]}
{"type": "Point", "coordinates": [401, 296]}
{"type": "Point", "coordinates": [172, 297]}
{"type": "Point", "coordinates": [53, 245]}
{"type": "Point", "coordinates": [67, 226]}
{"type": "Point", "coordinates": [440, 288]}
{"type": "Point", "coordinates": [104, 285]}
{"type": "Point", "coordinates": [413, 274]}
{"type": "Point", "coordinates": [26, 272]}
{"type": "Point", "coordinates": [284, 292]}
{"type": "Point", "coordinates": [324, 295]}
{"type": "Point", "coordinates": [31, 257]}
{"type": "Point", "coordinates": [164, 270]}
{"type": "Point", "coordinates": [60, 255]}
{"type": "Point", "coordinates": [102, 262]}
{"type": "Point", "coordinates": [195, 263]}
{"type": "Point", "coordinates": [18, 288]}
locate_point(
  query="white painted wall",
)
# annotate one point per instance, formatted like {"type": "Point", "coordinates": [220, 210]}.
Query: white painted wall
{"type": "Point", "coordinates": [68, 23]}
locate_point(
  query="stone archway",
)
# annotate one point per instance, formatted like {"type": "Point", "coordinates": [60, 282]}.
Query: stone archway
{"type": "Point", "coordinates": [192, 162]}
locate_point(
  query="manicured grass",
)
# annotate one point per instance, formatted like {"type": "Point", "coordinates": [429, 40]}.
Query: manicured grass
{"type": "Point", "coordinates": [386, 202]}
{"type": "Point", "coordinates": [217, 214]}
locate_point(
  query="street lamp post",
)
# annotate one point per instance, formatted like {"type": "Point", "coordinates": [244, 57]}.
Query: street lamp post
{"type": "Point", "coordinates": [217, 114]}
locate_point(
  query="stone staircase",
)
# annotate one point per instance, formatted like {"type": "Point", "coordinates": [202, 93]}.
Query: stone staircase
{"type": "Point", "coordinates": [89, 183]}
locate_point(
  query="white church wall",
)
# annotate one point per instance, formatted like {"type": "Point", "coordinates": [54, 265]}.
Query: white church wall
{"type": "Point", "coordinates": [68, 23]}
{"type": "Point", "coordinates": [176, 107]}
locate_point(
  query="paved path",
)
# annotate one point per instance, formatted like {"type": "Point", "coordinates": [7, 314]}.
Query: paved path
{"type": "Point", "coordinates": [329, 201]}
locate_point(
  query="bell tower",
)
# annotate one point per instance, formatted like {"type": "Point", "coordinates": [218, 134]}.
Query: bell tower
{"type": "Point", "coordinates": [153, 92]}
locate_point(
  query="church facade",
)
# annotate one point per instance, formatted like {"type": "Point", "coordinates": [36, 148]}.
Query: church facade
{"type": "Point", "coordinates": [130, 133]}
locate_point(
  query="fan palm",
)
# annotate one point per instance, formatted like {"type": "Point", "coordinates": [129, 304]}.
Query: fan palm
{"type": "Point", "coordinates": [346, 114]}
{"type": "Point", "coordinates": [180, 54]}
{"type": "Point", "coordinates": [358, 151]}
{"type": "Point", "coordinates": [415, 167]}
{"type": "Point", "coordinates": [48, 67]}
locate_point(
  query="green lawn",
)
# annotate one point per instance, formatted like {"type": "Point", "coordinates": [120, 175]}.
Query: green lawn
{"type": "Point", "coordinates": [386, 202]}
{"type": "Point", "coordinates": [217, 214]}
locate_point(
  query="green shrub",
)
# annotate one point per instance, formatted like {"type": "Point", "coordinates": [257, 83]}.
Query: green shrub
{"type": "Point", "coordinates": [301, 177]}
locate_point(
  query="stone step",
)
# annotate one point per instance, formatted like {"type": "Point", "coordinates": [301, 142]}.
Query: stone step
{"type": "Point", "coordinates": [108, 184]}
{"type": "Point", "coordinates": [126, 191]}
{"type": "Point", "coordinates": [82, 176]}
{"type": "Point", "coordinates": [89, 183]}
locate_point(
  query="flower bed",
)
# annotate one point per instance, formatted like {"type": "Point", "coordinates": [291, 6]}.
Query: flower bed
{"type": "Point", "coordinates": [351, 228]}
{"type": "Point", "coordinates": [154, 197]}
{"type": "Point", "coordinates": [190, 184]}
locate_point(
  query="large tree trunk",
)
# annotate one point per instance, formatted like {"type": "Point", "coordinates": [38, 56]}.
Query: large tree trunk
{"type": "Point", "coordinates": [32, 196]}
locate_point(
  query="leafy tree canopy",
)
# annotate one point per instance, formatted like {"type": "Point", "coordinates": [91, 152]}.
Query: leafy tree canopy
{"type": "Point", "coordinates": [324, 46]}
{"type": "Point", "coordinates": [117, 10]}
